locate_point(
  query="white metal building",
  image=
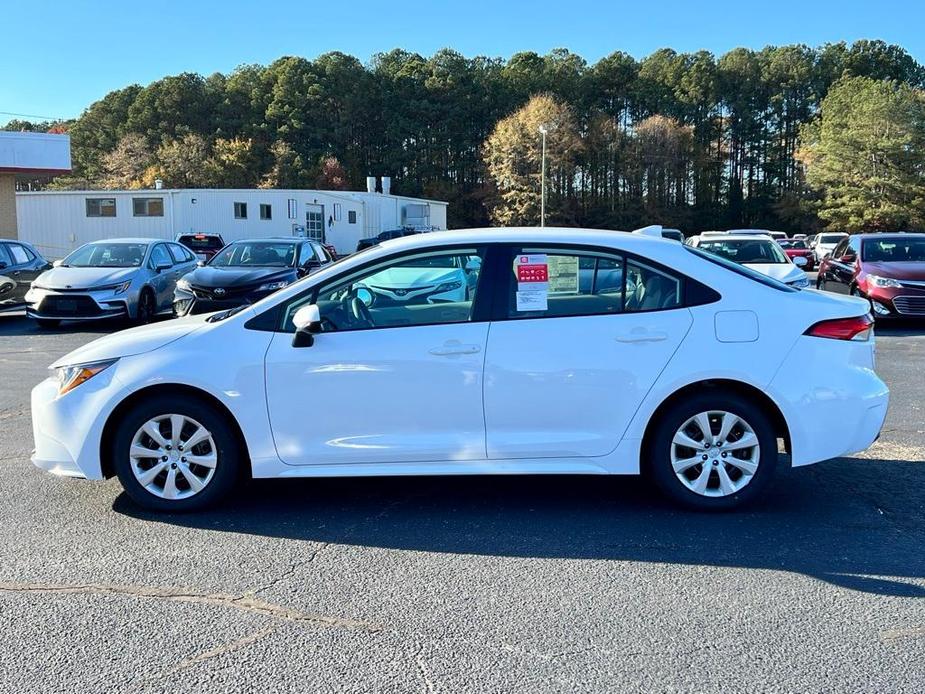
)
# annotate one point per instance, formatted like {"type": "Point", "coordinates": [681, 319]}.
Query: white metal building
{"type": "Point", "coordinates": [56, 222]}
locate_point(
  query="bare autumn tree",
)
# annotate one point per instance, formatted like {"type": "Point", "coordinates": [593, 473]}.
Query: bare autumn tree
{"type": "Point", "coordinates": [513, 158]}
{"type": "Point", "coordinates": [332, 175]}
{"type": "Point", "coordinates": [125, 165]}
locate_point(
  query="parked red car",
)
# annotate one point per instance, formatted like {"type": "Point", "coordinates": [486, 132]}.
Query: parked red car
{"type": "Point", "coordinates": [886, 269]}
{"type": "Point", "coordinates": [797, 248]}
{"type": "Point", "coordinates": [203, 246]}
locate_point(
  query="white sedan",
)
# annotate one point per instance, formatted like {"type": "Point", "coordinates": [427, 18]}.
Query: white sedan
{"type": "Point", "coordinates": [577, 352]}
{"type": "Point", "coordinates": [760, 253]}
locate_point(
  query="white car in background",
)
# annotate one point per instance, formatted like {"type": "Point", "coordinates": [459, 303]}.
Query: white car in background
{"type": "Point", "coordinates": [580, 352]}
{"type": "Point", "coordinates": [825, 243]}
{"type": "Point", "coordinates": [423, 281]}
{"type": "Point", "coordinates": [759, 252]}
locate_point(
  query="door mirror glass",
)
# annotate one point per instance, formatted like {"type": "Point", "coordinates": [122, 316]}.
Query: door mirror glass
{"type": "Point", "coordinates": [849, 257]}
{"type": "Point", "coordinates": [799, 261]}
{"type": "Point", "coordinates": [160, 267]}
{"type": "Point", "coordinates": [364, 295]}
{"type": "Point", "coordinates": [200, 263]}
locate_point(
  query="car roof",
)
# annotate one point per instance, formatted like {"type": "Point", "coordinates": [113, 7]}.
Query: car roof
{"type": "Point", "coordinates": [129, 239]}
{"type": "Point", "coordinates": [741, 237]}
{"type": "Point", "coordinates": [275, 239]}
{"type": "Point", "coordinates": [891, 234]}
{"type": "Point", "coordinates": [532, 235]}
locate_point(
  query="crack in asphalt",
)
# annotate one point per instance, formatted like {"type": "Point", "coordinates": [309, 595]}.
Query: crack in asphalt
{"type": "Point", "coordinates": [421, 667]}
{"type": "Point", "coordinates": [291, 570]}
{"type": "Point", "coordinates": [245, 603]}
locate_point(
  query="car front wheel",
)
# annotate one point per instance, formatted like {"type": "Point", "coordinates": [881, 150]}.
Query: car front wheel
{"type": "Point", "coordinates": [176, 454]}
{"type": "Point", "coordinates": [713, 451]}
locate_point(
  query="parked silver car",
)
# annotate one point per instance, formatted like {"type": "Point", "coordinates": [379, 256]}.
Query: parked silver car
{"type": "Point", "coordinates": [131, 278]}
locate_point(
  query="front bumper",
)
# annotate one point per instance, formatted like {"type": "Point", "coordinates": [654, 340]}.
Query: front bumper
{"type": "Point", "coordinates": [897, 302]}
{"type": "Point", "coordinates": [50, 304]}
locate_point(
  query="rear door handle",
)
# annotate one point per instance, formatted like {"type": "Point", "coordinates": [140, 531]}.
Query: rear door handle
{"type": "Point", "coordinates": [642, 337]}
{"type": "Point", "coordinates": [454, 349]}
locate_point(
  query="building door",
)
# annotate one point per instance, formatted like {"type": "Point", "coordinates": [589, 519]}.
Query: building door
{"type": "Point", "coordinates": [314, 222]}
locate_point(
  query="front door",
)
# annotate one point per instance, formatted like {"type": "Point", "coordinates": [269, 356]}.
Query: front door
{"type": "Point", "coordinates": [20, 266]}
{"type": "Point", "coordinates": [395, 376]}
{"type": "Point", "coordinates": [584, 337]}
{"type": "Point", "coordinates": [314, 222]}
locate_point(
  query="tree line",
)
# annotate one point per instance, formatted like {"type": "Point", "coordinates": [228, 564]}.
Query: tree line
{"type": "Point", "coordinates": [683, 139]}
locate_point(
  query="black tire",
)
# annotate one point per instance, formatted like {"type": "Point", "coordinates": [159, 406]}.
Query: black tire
{"type": "Point", "coordinates": [47, 323]}
{"type": "Point", "coordinates": [659, 465]}
{"type": "Point", "coordinates": [144, 312]}
{"type": "Point", "coordinates": [229, 456]}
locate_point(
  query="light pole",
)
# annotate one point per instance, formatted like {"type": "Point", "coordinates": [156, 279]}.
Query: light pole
{"type": "Point", "coordinates": [543, 131]}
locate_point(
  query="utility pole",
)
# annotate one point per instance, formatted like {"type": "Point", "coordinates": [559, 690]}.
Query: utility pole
{"type": "Point", "coordinates": [543, 131]}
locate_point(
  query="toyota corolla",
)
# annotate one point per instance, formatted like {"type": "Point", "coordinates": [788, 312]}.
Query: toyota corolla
{"type": "Point", "coordinates": [577, 352]}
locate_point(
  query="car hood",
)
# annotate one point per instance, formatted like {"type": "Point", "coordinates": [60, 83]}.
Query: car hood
{"type": "Point", "coordinates": [409, 277]}
{"type": "Point", "coordinates": [238, 276]}
{"type": "Point", "coordinates": [84, 277]}
{"type": "Point", "coordinates": [902, 270]}
{"type": "Point", "coordinates": [126, 343]}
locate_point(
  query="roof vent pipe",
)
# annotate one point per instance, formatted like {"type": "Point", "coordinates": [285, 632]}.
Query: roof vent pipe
{"type": "Point", "coordinates": [158, 184]}
{"type": "Point", "coordinates": [386, 185]}
{"type": "Point", "coordinates": [370, 184]}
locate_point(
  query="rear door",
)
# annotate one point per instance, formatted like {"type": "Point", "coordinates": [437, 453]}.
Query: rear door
{"type": "Point", "coordinates": [568, 364]}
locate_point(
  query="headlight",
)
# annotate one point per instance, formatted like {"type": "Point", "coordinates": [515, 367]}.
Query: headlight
{"type": "Point", "coordinates": [878, 281]}
{"type": "Point", "coordinates": [183, 284]}
{"type": "Point", "coordinates": [447, 287]}
{"type": "Point", "coordinates": [119, 288]}
{"type": "Point", "coordinates": [272, 286]}
{"type": "Point", "coordinates": [800, 283]}
{"type": "Point", "coordinates": [69, 377]}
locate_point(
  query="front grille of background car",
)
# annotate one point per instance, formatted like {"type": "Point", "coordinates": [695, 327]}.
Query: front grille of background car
{"type": "Point", "coordinates": [230, 293]}
{"type": "Point", "coordinates": [69, 306]}
{"type": "Point", "coordinates": [910, 305]}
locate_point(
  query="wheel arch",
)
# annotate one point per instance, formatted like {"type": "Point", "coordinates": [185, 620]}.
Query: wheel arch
{"type": "Point", "coordinates": [781, 430]}
{"type": "Point", "coordinates": [107, 464]}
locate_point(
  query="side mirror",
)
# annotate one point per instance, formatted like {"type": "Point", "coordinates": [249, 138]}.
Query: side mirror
{"type": "Point", "coordinates": [849, 257]}
{"type": "Point", "coordinates": [200, 263]}
{"type": "Point", "coordinates": [57, 263]}
{"type": "Point", "coordinates": [307, 322]}
{"type": "Point", "coordinates": [364, 295]}
{"type": "Point", "coordinates": [799, 261]}
{"type": "Point", "coordinates": [2, 264]}
{"type": "Point", "coordinates": [160, 267]}
{"type": "Point", "coordinates": [474, 265]}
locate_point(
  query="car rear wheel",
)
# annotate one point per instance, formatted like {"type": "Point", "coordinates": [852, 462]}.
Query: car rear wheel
{"type": "Point", "coordinates": [174, 454]}
{"type": "Point", "coordinates": [715, 451]}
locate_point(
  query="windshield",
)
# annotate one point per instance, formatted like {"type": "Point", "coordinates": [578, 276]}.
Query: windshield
{"type": "Point", "coordinates": [742, 270]}
{"type": "Point", "coordinates": [256, 254]}
{"type": "Point", "coordinates": [830, 238]}
{"type": "Point", "coordinates": [894, 250]}
{"type": "Point", "coordinates": [746, 251]}
{"type": "Point", "coordinates": [107, 255]}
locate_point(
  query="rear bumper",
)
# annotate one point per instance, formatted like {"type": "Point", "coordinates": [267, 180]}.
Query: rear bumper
{"type": "Point", "coordinates": [838, 412]}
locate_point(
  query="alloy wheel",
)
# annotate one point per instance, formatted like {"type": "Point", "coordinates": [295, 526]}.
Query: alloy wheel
{"type": "Point", "coordinates": [173, 456]}
{"type": "Point", "coordinates": [715, 453]}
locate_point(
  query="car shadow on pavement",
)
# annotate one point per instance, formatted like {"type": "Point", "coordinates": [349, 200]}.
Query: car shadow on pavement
{"type": "Point", "coordinates": [855, 523]}
{"type": "Point", "coordinates": [900, 328]}
{"type": "Point", "coordinates": [18, 324]}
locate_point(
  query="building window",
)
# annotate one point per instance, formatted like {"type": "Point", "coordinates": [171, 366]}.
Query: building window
{"type": "Point", "coordinates": [240, 210]}
{"type": "Point", "coordinates": [266, 211]}
{"type": "Point", "coordinates": [148, 207]}
{"type": "Point", "coordinates": [352, 216]}
{"type": "Point", "coordinates": [101, 207]}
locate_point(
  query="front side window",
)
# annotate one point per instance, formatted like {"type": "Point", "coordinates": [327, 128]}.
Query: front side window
{"type": "Point", "coordinates": [5, 258]}
{"type": "Point", "coordinates": [840, 249]}
{"type": "Point", "coordinates": [160, 257]}
{"type": "Point", "coordinates": [101, 207]}
{"type": "Point", "coordinates": [432, 288]}
{"type": "Point", "coordinates": [20, 254]}
{"type": "Point", "coordinates": [148, 207]}
{"type": "Point", "coordinates": [107, 255]}
{"type": "Point", "coordinates": [256, 254]}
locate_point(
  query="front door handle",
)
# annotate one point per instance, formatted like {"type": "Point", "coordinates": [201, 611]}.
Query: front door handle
{"type": "Point", "coordinates": [452, 349]}
{"type": "Point", "coordinates": [642, 336]}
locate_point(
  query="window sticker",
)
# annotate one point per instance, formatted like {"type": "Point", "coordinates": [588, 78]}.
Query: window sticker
{"type": "Point", "coordinates": [532, 272]}
{"type": "Point", "coordinates": [563, 274]}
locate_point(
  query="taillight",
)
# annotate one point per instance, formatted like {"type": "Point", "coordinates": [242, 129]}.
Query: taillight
{"type": "Point", "coordinates": [859, 328]}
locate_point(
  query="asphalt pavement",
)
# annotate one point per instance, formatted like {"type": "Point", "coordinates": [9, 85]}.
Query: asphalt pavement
{"type": "Point", "coordinates": [465, 585]}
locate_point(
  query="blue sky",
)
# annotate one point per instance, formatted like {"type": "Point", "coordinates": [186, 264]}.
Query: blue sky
{"type": "Point", "coordinates": [58, 57]}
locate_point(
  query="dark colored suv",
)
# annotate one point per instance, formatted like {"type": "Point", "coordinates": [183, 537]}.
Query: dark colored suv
{"type": "Point", "coordinates": [20, 264]}
{"type": "Point", "coordinates": [886, 269]}
{"type": "Point", "coordinates": [203, 246]}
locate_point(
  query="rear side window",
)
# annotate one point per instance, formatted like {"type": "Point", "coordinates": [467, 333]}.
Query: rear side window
{"type": "Point", "coordinates": [180, 254]}
{"type": "Point", "coordinates": [20, 254]}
